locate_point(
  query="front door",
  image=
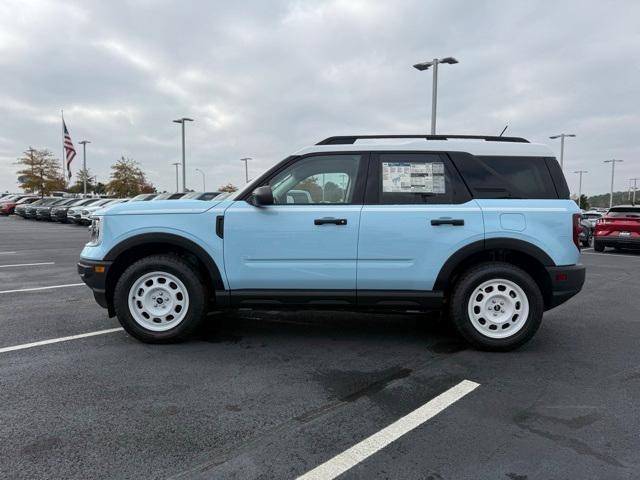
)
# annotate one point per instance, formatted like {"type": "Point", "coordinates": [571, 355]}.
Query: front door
{"type": "Point", "coordinates": [303, 248]}
{"type": "Point", "coordinates": [417, 213]}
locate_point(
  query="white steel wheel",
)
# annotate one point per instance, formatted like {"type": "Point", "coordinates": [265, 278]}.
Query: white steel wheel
{"type": "Point", "coordinates": [158, 301]}
{"type": "Point", "coordinates": [498, 308]}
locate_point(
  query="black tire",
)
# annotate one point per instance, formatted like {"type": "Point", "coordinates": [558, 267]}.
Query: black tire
{"type": "Point", "coordinates": [176, 266]}
{"type": "Point", "coordinates": [597, 246]}
{"type": "Point", "coordinates": [473, 278]}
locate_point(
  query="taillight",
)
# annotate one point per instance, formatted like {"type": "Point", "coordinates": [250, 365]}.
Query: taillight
{"type": "Point", "coordinates": [577, 228]}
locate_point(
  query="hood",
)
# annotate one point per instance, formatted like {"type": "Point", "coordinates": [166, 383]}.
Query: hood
{"type": "Point", "coordinates": [158, 207]}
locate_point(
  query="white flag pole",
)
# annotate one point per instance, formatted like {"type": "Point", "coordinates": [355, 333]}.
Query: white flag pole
{"type": "Point", "coordinates": [64, 177]}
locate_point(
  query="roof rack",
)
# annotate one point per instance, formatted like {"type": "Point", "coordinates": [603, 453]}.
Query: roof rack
{"type": "Point", "coordinates": [350, 139]}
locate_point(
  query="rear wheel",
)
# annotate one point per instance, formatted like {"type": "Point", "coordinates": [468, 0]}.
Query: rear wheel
{"type": "Point", "coordinates": [160, 299]}
{"type": "Point", "coordinates": [597, 246]}
{"type": "Point", "coordinates": [496, 306]}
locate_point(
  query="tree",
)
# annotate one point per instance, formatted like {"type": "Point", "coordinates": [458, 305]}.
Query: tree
{"type": "Point", "coordinates": [584, 202]}
{"type": "Point", "coordinates": [78, 187]}
{"type": "Point", "coordinates": [229, 187]}
{"type": "Point", "coordinates": [41, 172]}
{"type": "Point", "coordinates": [310, 185]}
{"type": "Point", "coordinates": [100, 189]}
{"type": "Point", "coordinates": [128, 179]}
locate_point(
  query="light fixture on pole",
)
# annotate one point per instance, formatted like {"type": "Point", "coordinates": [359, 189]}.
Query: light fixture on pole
{"type": "Point", "coordinates": [246, 168]}
{"type": "Point", "coordinates": [177, 164]}
{"type": "Point", "coordinates": [562, 136]}
{"type": "Point", "coordinates": [580, 172]}
{"type": "Point", "coordinates": [613, 171]}
{"type": "Point", "coordinates": [184, 166]}
{"type": "Point", "coordinates": [84, 166]}
{"type": "Point", "coordinates": [635, 187]}
{"type": "Point", "coordinates": [434, 88]}
{"type": "Point", "coordinates": [204, 188]}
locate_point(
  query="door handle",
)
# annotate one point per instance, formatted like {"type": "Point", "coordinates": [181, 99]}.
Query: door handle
{"type": "Point", "coordinates": [330, 220]}
{"type": "Point", "coordinates": [457, 222]}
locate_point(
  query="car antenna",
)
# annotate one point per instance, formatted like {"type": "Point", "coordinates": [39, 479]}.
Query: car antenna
{"type": "Point", "coordinates": [503, 130]}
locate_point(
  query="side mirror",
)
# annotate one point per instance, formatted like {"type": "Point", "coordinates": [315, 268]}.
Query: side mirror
{"type": "Point", "coordinates": [262, 196]}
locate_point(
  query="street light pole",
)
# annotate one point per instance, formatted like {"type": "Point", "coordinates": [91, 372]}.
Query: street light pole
{"type": "Point", "coordinates": [434, 88]}
{"type": "Point", "coordinates": [246, 168]}
{"type": "Point", "coordinates": [562, 136]}
{"type": "Point", "coordinates": [184, 166]}
{"type": "Point", "coordinates": [84, 166]}
{"type": "Point", "coordinates": [204, 188]}
{"type": "Point", "coordinates": [613, 170]}
{"type": "Point", "coordinates": [635, 186]}
{"type": "Point", "coordinates": [580, 186]}
{"type": "Point", "coordinates": [176, 164]}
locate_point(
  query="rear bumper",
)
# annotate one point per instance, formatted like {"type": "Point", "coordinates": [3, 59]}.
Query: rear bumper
{"type": "Point", "coordinates": [615, 241]}
{"type": "Point", "coordinates": [95, 280]}
{"type": "Point", "coordinates": [565, 283]}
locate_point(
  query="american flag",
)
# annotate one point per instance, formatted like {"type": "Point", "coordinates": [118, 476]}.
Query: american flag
{"type": "Point", "coordinates": [69, 150]}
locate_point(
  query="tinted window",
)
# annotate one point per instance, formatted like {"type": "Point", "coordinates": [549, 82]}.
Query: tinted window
{"type": "Point", "coordinates": [506, 177]}
{"type": "Point", "coordinates": [624, 212]}
{"type": "Point", "coordinates": [318, 179]}
{"type": "Point", "coordinates": [415, 178]}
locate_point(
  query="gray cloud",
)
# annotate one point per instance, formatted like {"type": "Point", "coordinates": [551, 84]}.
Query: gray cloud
{"type": "Point", "coordinates": [263, 79]}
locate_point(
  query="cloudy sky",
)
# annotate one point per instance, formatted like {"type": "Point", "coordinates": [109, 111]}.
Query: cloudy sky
{"type": "Point", "coordinates": [265, 78]}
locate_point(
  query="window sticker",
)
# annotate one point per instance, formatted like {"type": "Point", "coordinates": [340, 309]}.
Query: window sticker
{"type": "Point", "coordinates": [406, 177]}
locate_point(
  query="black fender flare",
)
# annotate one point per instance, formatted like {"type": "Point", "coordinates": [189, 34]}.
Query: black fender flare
{"type": "Point", "coordinates": [522, 246]}
{"type": "Point", "coordinates": [171, 239]}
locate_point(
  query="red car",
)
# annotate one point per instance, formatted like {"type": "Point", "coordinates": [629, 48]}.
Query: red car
{"type": "Point", "coordinates": [7, 208]}
{"type": "Point", "coordinates": [619, 228]}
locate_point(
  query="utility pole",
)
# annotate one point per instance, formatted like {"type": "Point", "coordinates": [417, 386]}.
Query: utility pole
{"type": "Point", "coordinates": [246, 168]}
{"type": "Point", "coordinates": [182, 121]}
{"type": "Point", "coordinates": [580, 172]}
{"type": "Point", "coordinates": [434, 88]}
{"type": "Point", "coordinates": [562, 136]}
{"type": "Point", "coordinates": [176, 164]}
{"type": "Point", "coordinates": [613, 171]}
{"type": "Point", "coordinates": [204, 187]}
{"type": "Point", "coordinates": [84, 166]}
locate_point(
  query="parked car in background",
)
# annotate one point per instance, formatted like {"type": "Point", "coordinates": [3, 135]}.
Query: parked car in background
{"type": "Point", "coordinates": [169, 196]}
{"type": "Point", "coordinates": [88, 211]}
{"type": "Point", "coordinates": [586, 234]}
{"type": "Point", "coordinates": [619, 228]}
{"type": "Point", "coordinates": [74, 214]}
{"type": "Point", "coordinates": [592, 216]}
{"type": "Point", "coordinates": [200, 196]}
{"type": "Point", "coordinates": [30, 210]}
{"type": "Point", "coordinates": [44, 212]}
{"type": "Point", "coordinates": [144, 197]}
{"type": "Point", "coordinates": [7, 208]}
{"type": "Point", "coordinates": [59, 212]}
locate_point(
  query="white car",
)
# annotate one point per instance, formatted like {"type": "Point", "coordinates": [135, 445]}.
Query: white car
{"type": "Point", "coordinates": [592, 217]}
{"type": "Point", "coordinates": [87, 213]}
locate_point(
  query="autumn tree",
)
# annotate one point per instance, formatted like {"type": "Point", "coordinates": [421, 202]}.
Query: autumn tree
{"type": "Point", "coordinates": [128, 179]}
{"type": "Point", "coordinates": [40, 172]}
{"type": "Point", "coordinates": [229, 187]}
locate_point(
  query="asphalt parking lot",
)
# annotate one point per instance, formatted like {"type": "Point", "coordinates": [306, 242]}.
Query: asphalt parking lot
{"type": "Point", "coordinates": [275, 395]}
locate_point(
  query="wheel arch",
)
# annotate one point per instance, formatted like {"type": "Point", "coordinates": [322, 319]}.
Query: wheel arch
{"type": "Point", "coordinates": [138, 246]}
{"type": "Point", "coordinates": [523, 254]}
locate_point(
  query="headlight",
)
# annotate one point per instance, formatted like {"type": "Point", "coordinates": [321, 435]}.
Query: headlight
{"type": "Point", "coordinates": [85, 212]}
{"type": "Point", "coordinates": [95, 231]}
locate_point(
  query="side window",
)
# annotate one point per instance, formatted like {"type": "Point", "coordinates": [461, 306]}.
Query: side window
{"type": "Point", "coordinates": [417, 178]}
{"type": "Point", "coordinates": [318, 179]}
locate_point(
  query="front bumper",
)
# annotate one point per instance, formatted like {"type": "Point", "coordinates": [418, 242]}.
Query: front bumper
{"type": "Point", "coordinates": [94, 274]}
{"type": "Point", "coordinates": [565, 283]}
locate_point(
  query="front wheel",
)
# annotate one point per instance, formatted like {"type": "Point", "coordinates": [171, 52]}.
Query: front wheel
{"type": "Point", "coordinates": [597, 246]}
{"type": "Point", "coordinates": [496, 306]}
{"type": "Point", "coordinates": [160, 299]}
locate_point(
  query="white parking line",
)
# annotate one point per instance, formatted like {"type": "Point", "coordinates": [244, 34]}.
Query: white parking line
{"type": "Point", "coordinates": [361, 451]}
{"type": "Point", "coordinates": [612, 255]}
{"type": "Point", "coordinates": [57, 340]}
{"type": "Point", "coordinates": [7, 253]}
{"type": "Point", "coordinates": [27, 264]}
{"type": "Point", "coordinates": [41, 288]}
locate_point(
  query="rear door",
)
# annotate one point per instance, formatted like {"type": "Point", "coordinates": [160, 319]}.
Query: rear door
{"type": "Point", "coordinates": [417, 213]}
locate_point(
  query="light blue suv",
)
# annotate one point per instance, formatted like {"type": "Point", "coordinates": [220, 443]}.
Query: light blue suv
{"type": "Point", "coordinates": [480, 227]}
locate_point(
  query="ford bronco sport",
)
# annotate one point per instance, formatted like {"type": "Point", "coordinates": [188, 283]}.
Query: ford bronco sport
{"type": "Point", "coordinates": [480, 227]}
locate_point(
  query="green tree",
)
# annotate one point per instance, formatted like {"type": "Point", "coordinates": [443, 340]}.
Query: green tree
{"type": "Point", "coordinates": [128, 179]}
{"type": "Point", "coordinates": [78, 187]}
{"type": "Point", "coordinates": [311, 185]}
{"type": "Point", "coordinates": [583, 203]}
{"type": "Point", "coordinates": [40, 172]}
